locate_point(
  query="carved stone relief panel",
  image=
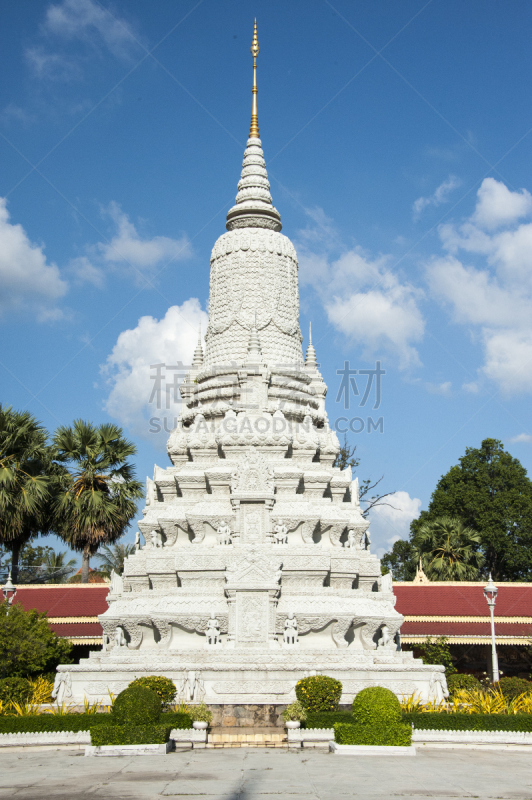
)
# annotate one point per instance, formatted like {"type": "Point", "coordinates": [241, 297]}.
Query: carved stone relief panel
{"type": "Point", "coordinates": [252, 523]}
{"type": "Point", "coordinates": [252, 617]}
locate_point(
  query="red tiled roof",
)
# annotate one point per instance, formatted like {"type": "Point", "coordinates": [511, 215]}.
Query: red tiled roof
{"type": "Point", "coordinates": [68, 600]}
{"type": "Point", "coordinates": [464, 600]}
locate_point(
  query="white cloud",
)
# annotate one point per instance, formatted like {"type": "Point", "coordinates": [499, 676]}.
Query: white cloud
{"type": "Point", "coordinates": [128, 249]}
{"type": "Point", "coordinates": [130, 374]}
{"type": "Point", "coordinates": [472, 387]}
{"type": "Point", "coordinates": [493, 296]}
{"type": "Point", "coordinates": [27, 281]}
{"type": "Point", "coordinates": [86, 272]}
{"type": "Point", "coordinates": [89, 21]}
{"type": "Point", "coordinates": [439, 388]}
{"type": "Point", "coordinates": [437, 198]}
{"type": "Point", "coordinates": [497, 205]}
{"type": "Point", "coordinates": [525, 438]}
{"type": "Point", "coordinates": [392, 522]}
{"type": "Point", "coordinates": [74, 30]}
{"type": "Point", "coordinates": [382, 316]}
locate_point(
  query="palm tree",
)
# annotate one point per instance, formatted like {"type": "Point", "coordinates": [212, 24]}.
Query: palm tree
{"type": "Point", "coordinates": [25, 481]}
{"type": "Point", "coordinates": [449, 550]}
{"type": "Point", "coordinates": [112, 558]}
{"type": "Point", "coordinates": [97, 500]}
{"type": "Point", "coordinates": [56, 569]}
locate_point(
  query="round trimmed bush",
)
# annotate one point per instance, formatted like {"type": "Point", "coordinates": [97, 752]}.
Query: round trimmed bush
{"type": "Point", "coordinates": [459, 681]}
{"type": "Point", "coordinates": [319, 693]}
{"type": "Point", "coordinates": [137, 706]}
{"type": "Point", "coordinates": [376, 705]}
{"type": "Point", "coordinates": [163, 687]}
{"type": "Point", "coordinates": [15, 690]}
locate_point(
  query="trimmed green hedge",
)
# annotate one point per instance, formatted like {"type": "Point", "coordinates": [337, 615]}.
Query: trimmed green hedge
{"type": "Point", "coordinates": [127, 734]}
{"type": "Point", "coordinates": [461, 680]}
{"type": "Point", "coordinates": [326, 719]}
{"type": "Point", "coordinates": [48, 722]}
{"type": "Point", "coordinates": [383, 735]}
{"type": "Point", "coordinates": [78, 722]}
{"type": "Point", "coordinates": [470, 722]}
{"type": "Point", "coordinates": [176, 720]}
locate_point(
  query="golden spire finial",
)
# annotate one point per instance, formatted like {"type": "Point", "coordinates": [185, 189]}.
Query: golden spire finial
{"type": "Point", "coordinates": [255, 50]}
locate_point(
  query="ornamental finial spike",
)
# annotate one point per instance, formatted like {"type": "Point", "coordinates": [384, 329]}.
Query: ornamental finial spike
{"type": "Point", "coordinates": [255, 50]}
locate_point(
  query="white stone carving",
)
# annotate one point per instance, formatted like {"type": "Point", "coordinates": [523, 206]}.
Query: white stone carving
{"type": "Point", "coordinates": [192, 687]}
{"type": "Point", "coordinates": [156, 539]}
{"type": "Point", "coordinates": [280, 533]}
{"type": "Point", "coordinates": [119, 638]}
{"type": "Point", "coordinates": [62, 687]}
{"type": "Point", "coordinates": [223, 533]}
{"type": "Point", "coordinates": [213, 631]}
{"type": "Point", "coordinates": [290, 637]}
{"type": "Point", "coordinates": [251, 535]}
{"type": "Point", "coordinates": [117, 584]}
{"type": "Point", "coordinates": [438, 690]}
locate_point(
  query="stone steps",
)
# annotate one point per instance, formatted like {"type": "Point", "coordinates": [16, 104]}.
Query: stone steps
{"type": "Point", "coordinates": [250, 737]}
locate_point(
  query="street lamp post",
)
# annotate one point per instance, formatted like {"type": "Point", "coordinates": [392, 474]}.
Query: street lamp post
{"type": "Point", "coordinates": [9, 590]}
{"type": "Point", "coordinates": [490, 590]}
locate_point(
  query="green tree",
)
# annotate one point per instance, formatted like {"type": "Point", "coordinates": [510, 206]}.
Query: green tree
{"type": "Point", "coordinates": [490, 492]}
{"type": "Point", "coordinates": [25, 481]}
{"type": "Point", "coordinates": [112, 558]}
{"type": "Point", "coordinates": [449, 550]}
{"type": "Point", "coordinates": [435, 650]}
{"type": "Point", "coordinates": [41, 564]}
{"type": "Point", "coordinates": [56, 568]}
{"type": "Point", "coordinates": [401, 561]}
{"type": "Point", "coordinates": [98, 493]}
{"type": "Point", "coordinates": [28, 645]}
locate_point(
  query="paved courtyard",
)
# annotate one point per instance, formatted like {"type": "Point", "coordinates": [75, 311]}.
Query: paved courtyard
{"type": "Point", "coordinates": [261, 774]}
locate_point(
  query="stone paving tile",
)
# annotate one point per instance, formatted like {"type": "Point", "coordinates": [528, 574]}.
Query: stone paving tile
{"type": "Point", "coordinates": [267, 775]}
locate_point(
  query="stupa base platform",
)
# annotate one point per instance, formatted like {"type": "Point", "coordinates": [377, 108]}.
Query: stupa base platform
{"type": "Point", "coordinates": [250, 679]}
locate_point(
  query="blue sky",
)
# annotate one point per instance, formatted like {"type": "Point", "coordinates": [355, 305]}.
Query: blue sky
{"type": "Point", "coordinates": [398, 140]}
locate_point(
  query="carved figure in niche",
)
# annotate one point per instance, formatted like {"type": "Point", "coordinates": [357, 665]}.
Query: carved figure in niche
{"type": "Point", "coordinates": [386, 582]}
{"type": "Point", "coordinates": [156, 539]}
{"type": "Point", "coordinates": [137, 542]}
{"type": "Point", "coordinates": [290, 629]}
{"type": "Point", "coordinates": [120, 638]}
{"type": "Point", "coordinates": [397, 640]}
{"type": "Point", "coordinates": [354, 540]}
{"type": "Point", "coordinates": [367, 540]}
{"type": "Point", "coordinates": [223, 533]}
{"type": "Point", "coordinates": [62, 687]}
{"type": "Point", "coordinates": [385, 638]}
{"type": "Point", "coordinates": [213, 630]}
{"type": "Point", "coordinates": [438, 691]}
{"type": "Point", "coordinates": [279, 574]}
{"type": "Point", "coordinates": [280, 533]}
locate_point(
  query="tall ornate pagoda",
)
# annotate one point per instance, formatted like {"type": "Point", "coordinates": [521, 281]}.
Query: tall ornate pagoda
{"type": "Point", "coordinates": [256, 567]}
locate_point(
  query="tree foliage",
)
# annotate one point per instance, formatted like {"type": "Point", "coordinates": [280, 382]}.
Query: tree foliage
{"type": "Point", "coordinates": [435, 650]}
{"type": "Point", "coordinates": [489, 492]}
{"type": "Point", "coordinates": [98, 492]}
{"type": "Point", "coordinates": [449, 550]}
{"type": "Point", "coordinates": [28, 645]}
{"type": "Point", "coordinates": [25, 481]}
{"type": "Point", "coordinates": [113, 558]}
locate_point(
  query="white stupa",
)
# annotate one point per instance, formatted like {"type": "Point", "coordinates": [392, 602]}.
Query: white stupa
{"type": "Point", "coordinates": [256, 568]}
